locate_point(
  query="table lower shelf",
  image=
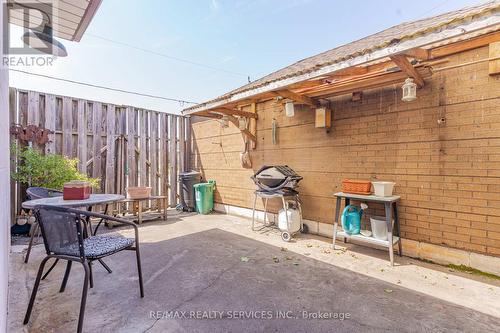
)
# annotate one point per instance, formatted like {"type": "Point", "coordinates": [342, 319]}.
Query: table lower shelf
{"type": "Point", "coordinates": [369, 240]}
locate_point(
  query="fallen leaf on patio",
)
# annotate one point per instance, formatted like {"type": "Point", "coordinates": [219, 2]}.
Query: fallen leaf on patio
{"type": "Point", "coordinates": [388, 291]}
{"type": "Point", "coordinates": [275, 259]}
{"type": "Point", "coordinates": [244, 259]}
{"type": "Point", "coordinates": [307, 254]}
{"type": "Point", "coordinates": [381, 269]}
{"type": "Point", "coordinates": [288, 258]}
{"type": "Point", "coordinates": [326, 251]}
{"type": "Point", "coordinates": [284, 249]}
{"type": "Point", "coordinates": [399, 282]}
{"type": "Point", "coordinates": [309, 245]}
{"type": "Point", "coordinates": [295, 263]}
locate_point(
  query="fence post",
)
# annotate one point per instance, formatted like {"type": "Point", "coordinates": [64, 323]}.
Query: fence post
{"type": "Point", "coordinates": [173, 160]}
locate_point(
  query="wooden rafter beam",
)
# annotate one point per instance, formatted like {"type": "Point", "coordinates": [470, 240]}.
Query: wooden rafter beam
{"type": "Point", "coordinates": [345, 74]}
{"type": "Point", "coordinates": [405, 65]}
{"type": "Point", "coordinates": [235, 112]}
{"type": "Point", "coordinates": [351, 71]}
{"type": "Point", "coordinates": [417, 53]}
{"type": "Point", "coordinates": [209, 115]}
{"type": "Point", "coordinates": [465, 45]}
{"type": "Point", "coordinates": [362, 83]}
{"type": "Point", "coordinates": [297, 98]}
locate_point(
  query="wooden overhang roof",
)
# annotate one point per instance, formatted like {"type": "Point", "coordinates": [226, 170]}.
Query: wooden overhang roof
{"type": "Point", "coordinates": [385, 58]}
{"type": "Point", "coordinates": [70, 18]}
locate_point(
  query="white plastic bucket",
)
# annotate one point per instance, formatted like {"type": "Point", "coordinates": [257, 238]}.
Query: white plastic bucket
{"type": "Point", "coordinates": [383, 189]}
{"type": "Point", "coordinates": [379, 227]}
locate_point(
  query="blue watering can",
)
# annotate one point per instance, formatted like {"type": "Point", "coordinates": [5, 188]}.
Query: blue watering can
{"type": "Point", "coordinates": [351, 219]}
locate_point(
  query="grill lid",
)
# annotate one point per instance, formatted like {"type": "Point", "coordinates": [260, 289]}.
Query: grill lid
{"type": "Point", "coordinates": [273, 178]}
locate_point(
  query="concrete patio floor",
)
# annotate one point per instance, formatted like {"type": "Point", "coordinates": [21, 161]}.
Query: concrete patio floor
{"type": "Point", "coordinates": [199, 263]}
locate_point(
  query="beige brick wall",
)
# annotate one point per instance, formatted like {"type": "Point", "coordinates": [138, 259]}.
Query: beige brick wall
{"type": "Point", "coordinates": [448, 175]}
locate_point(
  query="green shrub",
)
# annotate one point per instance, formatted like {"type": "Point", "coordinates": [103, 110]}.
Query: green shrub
{"type": "Point", "coordinates": [50, 171]}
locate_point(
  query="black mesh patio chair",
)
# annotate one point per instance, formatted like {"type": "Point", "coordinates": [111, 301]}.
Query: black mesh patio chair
{"type": "Point", "coordinates": [63, 235]}
{"type": "Point", "coordinates": [33, 193]}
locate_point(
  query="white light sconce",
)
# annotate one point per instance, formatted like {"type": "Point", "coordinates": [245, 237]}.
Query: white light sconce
{"type": "Point", "coordinates": [242, 123]}
{"type": "Point", "coordinates": [289, 109]}
{"type": "Point", "coordinates": [409, 90]}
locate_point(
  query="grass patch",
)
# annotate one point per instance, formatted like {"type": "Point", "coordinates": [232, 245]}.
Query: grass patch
{"type": "Point", "coordinates": [473, 271]}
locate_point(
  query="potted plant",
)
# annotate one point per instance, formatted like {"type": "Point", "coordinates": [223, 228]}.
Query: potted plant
{"type": "Point", "coordinates": [49, 171]}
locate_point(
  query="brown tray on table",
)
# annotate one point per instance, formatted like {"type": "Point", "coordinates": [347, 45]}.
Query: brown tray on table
{"type": "Point", "coordinates": [355, 186]}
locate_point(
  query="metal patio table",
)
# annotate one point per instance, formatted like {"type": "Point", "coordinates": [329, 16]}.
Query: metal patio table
{"type": "Point", "coordinates": [93, 200]}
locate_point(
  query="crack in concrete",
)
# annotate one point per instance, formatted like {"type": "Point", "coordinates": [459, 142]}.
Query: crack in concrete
{"type": "Point", "coordinates": [175, 258]}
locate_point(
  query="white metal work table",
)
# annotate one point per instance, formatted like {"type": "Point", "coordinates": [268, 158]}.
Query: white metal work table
{"type": "Point", "coordinates": [391, 211]}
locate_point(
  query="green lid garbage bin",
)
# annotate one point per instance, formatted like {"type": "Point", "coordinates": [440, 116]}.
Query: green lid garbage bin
{"type": "Point", "coordinates": [204, 194]}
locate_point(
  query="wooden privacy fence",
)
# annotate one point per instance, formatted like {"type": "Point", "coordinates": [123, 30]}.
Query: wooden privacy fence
{"type": "Point", "coordinates": [122, 145]}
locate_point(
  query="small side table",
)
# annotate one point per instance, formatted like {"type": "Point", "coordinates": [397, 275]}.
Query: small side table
{"type": "Point", "coordinates": [390, 204]}
{"type": "Point", "coordinates": [161, 201]}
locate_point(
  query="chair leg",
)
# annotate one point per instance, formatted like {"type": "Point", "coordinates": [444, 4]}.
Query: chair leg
{"type": "Point", "coordinates": [66, 276]}
{"type": "Point", "coordinates": [105, 266]}
{"type": "Point", "coordinates": [35, 290]}
{"type": "Point", "coordinates": [50, 269]}
{"type": "Point", "coordinates": [91, 278]}
{"type": "Point", "coordinates": [33, 233]}
{"type": "Point", "coordinates": [139, 269]}
{"type": "Point", "coordinates": [84, 296]}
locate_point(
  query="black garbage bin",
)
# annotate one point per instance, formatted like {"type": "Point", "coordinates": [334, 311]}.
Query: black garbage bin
{"type": "Point", "coordinates": [187, 180]}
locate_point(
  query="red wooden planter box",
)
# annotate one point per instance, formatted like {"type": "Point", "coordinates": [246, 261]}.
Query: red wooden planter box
{"type": "Point", "coordinates": [76, 190]}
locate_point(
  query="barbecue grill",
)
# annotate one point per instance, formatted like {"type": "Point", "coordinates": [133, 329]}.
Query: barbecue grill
{"type": "Point", "coordinates": [276, 178]}
{"type": "Point", "coordinates": [280, 181]}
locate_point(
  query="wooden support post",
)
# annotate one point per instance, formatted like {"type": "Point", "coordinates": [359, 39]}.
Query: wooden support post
{"type": "Point", "coordinates": [252, 126]}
